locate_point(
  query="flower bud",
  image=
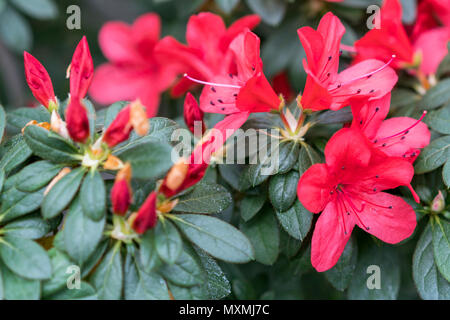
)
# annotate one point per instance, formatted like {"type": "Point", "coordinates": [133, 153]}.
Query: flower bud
{"type": "Point", "coordinates": [58, 125]}
{"type": "Point", "coordinates": [146, 217]}
{"type": "Point", "coordinates": [77, 120]}
{"type": "Point", "coordinates": [81, 70]}
{"type": "Point", "coordinates": [39, 82]}
{"type": "Point", "coordinates": [438, 203]}
{"type": "Point", "coordinates": [121, 194]}
{"type": "Point", "coordinates": [192, 113]}
{"type": "Point", "coordinates": [119, 130]}
{"type": "Point", "coordinates": [138, 118]}
{"type": "Point", "coordinates": [44, 125]}
{"type": "Point", "coordinates": [113, 163]}
{"type": "Point", "coordinates": [177, 174]}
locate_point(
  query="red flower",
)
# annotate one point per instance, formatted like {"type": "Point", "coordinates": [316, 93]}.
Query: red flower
{"type": "Point", "coordinates": [325, 87]}
{"type": "Point", "coordinates": [133, 71]}
{"type": "Point", "coordinates": [207, 48]}
{"type": "Point", "coordinates": [146, 217]}
{"type": "Point", "coordinates": [396, 137]}
{"type": "Point", "coordinates": [81, 70]}
{"type": "Point", "coordinates": [192, 113]}
{"type": "Point", "coordinates": [281, 85]}
{"type": "Point", "coordinates": [121, 193]}
{"type": "Point", "coordinates": [77, 120]}
{"type": "Point", "coordinates": [426, 49]}
{"type": "Point", "coordinates": [39, 81]}
{"type": "Point", "coordinates": [246, 89]}
{"type": "Point", "coordinates": [431, 14]}
{"type": "Point", "coordinates": [347, 188]}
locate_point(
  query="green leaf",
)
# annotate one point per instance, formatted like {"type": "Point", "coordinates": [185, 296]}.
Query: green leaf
{"type": "Point", "coordinates": [231, 174]}
{"type": "Point", "coordinates": [18, 288]}
{"type": "Point", "coordinates": [263, 233]}
{"type": "Point", "coordinates": [251, 205]}
{"type": "Point", "coordinates": [333, 117]}
{"type": "Point", "coordinates": [185, 272]}
{"type": "Point", "coordinates": [15, 31]}
{"type": "Point", "coordinates": [60, 262]}
{"type": "Point", "coordinates": [36, 175]}
{"type": "Point", "coordinates": [430, 284]}
{"type": "Point", "coordinates": [39, 9]}
{"type": "Point", "coordinates": [142, 286]}
{"type": "Point", "coordinates": [341, 274]}
{"type": "Point", "coordinates": [444, 66]}
{"type": "Point", "coordinates": [296, 221]}
{"type": "Point", "coordinates": [29, 228]}
{"type": "Point", "coordinates": [15, 203]}
{"type": "Point", "coordinates": [404, 97]}
{"type": "Point", "coordinates": [446, 173]}
{"type": "Point", "coordinates": [62, 193]}
{"type": "Point", "coordinates": [94, 258]}
{"type": "Point", "coordinates": [227, 6]}
{"type": "Point", "coordinates": [283, 190]}
{"type": "Point", "coordinates": [168, 242]}
{"type": "Point", "coordinates": [81, 233]}
{"type": "Point", "coordinates": [307, 157]}
{"type": "Point", "coordinates": [205, 198]}
{"type": "Point", "coordinates": [192, 293]}
{"type": "Point", "coordinates": [26, 258]}
{"type": "Point", "coordinates": [271, 11]}
{"type": "Point", "coordinates": [387, 260]}
{"type": "Point", "coordinates": [217, 285]}
{"type": "Point", "coordinates": [436, 96]}
{"type": "Point", "coordinates": [441, 246]}
{"type": "Point", "coordinates": [86, 292]}
{"type": "Point", "coordinates": [149, 160]}
{"type": "Point", "coordinates": [93, 195]}
{"type": "Point", "coordinates": [434, 155]}
{"type": "Point", "coordinates": [288, 156]}
{"type": "Point", "coordinates": [439, 120]}
{"type": "Point", "coordinates": [216, 237]}
{"type": "Point", "coordinates": [50, 146]}
{"type": "Point", "coordinates": [149, 257]}
{"type": "Point", "coordinates": [2, 122]}
{"type": "Point", "coordinates": [108, 277]}
{"type": "Point", "coordinates": [2, 179]}
{"type": "Point", "coordinates": [18, 118]}
{"type": "Point", "coordinates": [16, 153]}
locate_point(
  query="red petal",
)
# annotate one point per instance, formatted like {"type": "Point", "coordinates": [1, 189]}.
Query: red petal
{"type": "Point", "coordinates": [77, 120]}
{"type": "Point", "coordinates": [192, 113]}
{"type": "Point", "coordinates": [120, 197]}
{"type": "Point", "coordinates": [220, 99]}
{"type": "Point", "coordinates": [146, 217]}
{"type": "Point", "coordinates": [389, 225]}
{"type": "Point", "coordinates": [119, 130]}
{"type": "Point", "coordinates": [347, 148]}
{"type": "Point", "coordinates": [329, 238]}
{"type": "Point", "coordinates": [315, 187]}
{"type": "Point", "coordinates": [245, 48]}
{"type": "Point", "coordinates": [247, 22]}
{"type": "Point", "coordinates": [433, 46]}
{"type": "Point", "coordinates": [257, 96]}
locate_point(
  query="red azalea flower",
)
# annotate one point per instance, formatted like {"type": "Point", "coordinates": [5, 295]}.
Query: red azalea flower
{"type": "Point", "coordinates": [431, 14]}
{"type": "Point", "coordinates": [347, 188]}
{"type": "Point", "coordinates": [396, 137]}
{"type": "Point", "coordinates": [39, 81]}
{"type": "Point", "coordinates": [121, 193]}
{"type": "Point", "coordinates": [146, 217]}
{"type": "Point", "coordinates": [246, 89]}
{"type": "Point", "coordinates": [133, 70]}
{"type": "Point", "coordinates": [427, 47]}
{"type": "Point", "coordinates": [207, 48]}
{"type": "Point", "coordinates": [325, 87]}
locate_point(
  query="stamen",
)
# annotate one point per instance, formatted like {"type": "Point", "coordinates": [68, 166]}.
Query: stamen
{"type": "Point", "coordinates": [371, 118]}
{"type": "Point", "coordinates": [415, 195]}
{"type": "Point", "coordinates": [367, 75]}
{"type": "Point", "coordinates": [342, 213]}
{"type": "Point", "coordinates": [212, 83]}
{"type": "Point", "coordinates": [406, 131]}
{"type": "Point", "coordinates": [355, 210]}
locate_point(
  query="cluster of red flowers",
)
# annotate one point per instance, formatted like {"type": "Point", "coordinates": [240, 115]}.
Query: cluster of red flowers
{"type": "Point", "coordinates": [366, 157]}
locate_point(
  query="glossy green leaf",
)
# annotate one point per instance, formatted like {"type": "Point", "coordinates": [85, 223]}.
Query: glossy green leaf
{"type": "Point", "coordinates": [30, 227]}
{"type": "Point", "coordinates": [93, 195]}
{"type": "Point", "coordinates": [17, 152]}
{"type": "Point", "coordinates": [439, 120]}
{"type": "Point", "coordinates": [36, 175]}
{"type": "Point", "coordinates": [436, 96]}
{"type": "Point", "coordinates": [39, 9]}
{"type": "Point", "coordinates": [263, 233]}
{"type": "Point", "coordinates": [108, 276]}
{"type": "Point", "coordinates": [204, 198]}
{"type": "Point", "coordinates": [296, 221]}
{"type": "Point", "coordinates": [218, 238]}
{"type": "Point", "coordinates": [18, 288]}
{"type": "Point", "coordinates": [26, 258]}
{"type": "Point", "coordinates": [271, 11]}
{"type": "Point", "coordinates": [86, 292]}
{"type": "Point", "coordinates": [441, 246]}
{"type": "Point", "coordinates": [283, 190]}
{"type": "Point", "coordinates": [185, 272]}
{"type": "Point", "coordinates": [227, 6]}
{"type": "Point", "coordinates": [217, 284]}
{"type": "Point", "coordinates": [307, 157]}
{"type": "Point", "coordinates": [168, 242]}
{"type": "Point", "coordinates": [15, 31]}
{"type": "Point", "coordinates": [446, 173]}
{"type": "Point", "coordinates": [434, 155]}
{"type": "Point", "coordinates": [15, 203]}
{"type": "Point", "coordinates": [62, 193]}
{"type": "Point", "coordinates": [60, 264]}
{"type": "Point", "coordinates": [2, 122]}
{"type": "Point", "coordinates": [251, 205]}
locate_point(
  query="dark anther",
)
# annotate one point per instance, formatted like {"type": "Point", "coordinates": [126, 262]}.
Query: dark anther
{"type": "Point", "coordinates": [213, 89]}
{"type": "Point", "coordinates": [231, 75]}
{"type": "Point", "coordinates": [331, 192]}
{"type": "Point", "coordinates": [223, 109]}
{"type": "Point", "coordinates": [377, 176]}
{"type": "Point", "coordinates": [404, 156]}
{"type": "Point", "coordinates": [374, 189]}
{"type": "Point", "coordinates": [329, 58]}
{"type": "Point", "coordinates": [212, 103]}
{"type": "Point", "coordinates": [413, 154]}
{"type": "Point", "coordinates": [376, 140]}
{"type": "Point", "coordinates": [328, 74]}
{"type": "Point", "coordinates": [220, 100]}
{"type": "Point", "coordinates": [340, 52]}
{"type": "Point", "coordinates": [377, 109]}
{"type": "Point", "coordinates": [390, 207]}
{"type": "Point", "coordinates": [372, 90]}
{"type": "Point", "coordinates": [339, 85]}
{"type": "Point", "coordinates": [359, 91]}
{"type": "Point", "coordinates": [348, 213]}
{"type": "Point", "coordinates": [361, 122]}
{"type": "Point", "coordinates": [343, 168]}
{"type": "Point", "coordinates": [383, 145]}
{"type": "Point", "coordinates": [403, 138]}
{"type": "Point", "coordinates": [369, 76]}
{"type": "Point", "coordinates": [253, 68]}
{"type": "Point", "coordinates": [367, 228]}
{"type": "Point", "coordinates": [407, 131]}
